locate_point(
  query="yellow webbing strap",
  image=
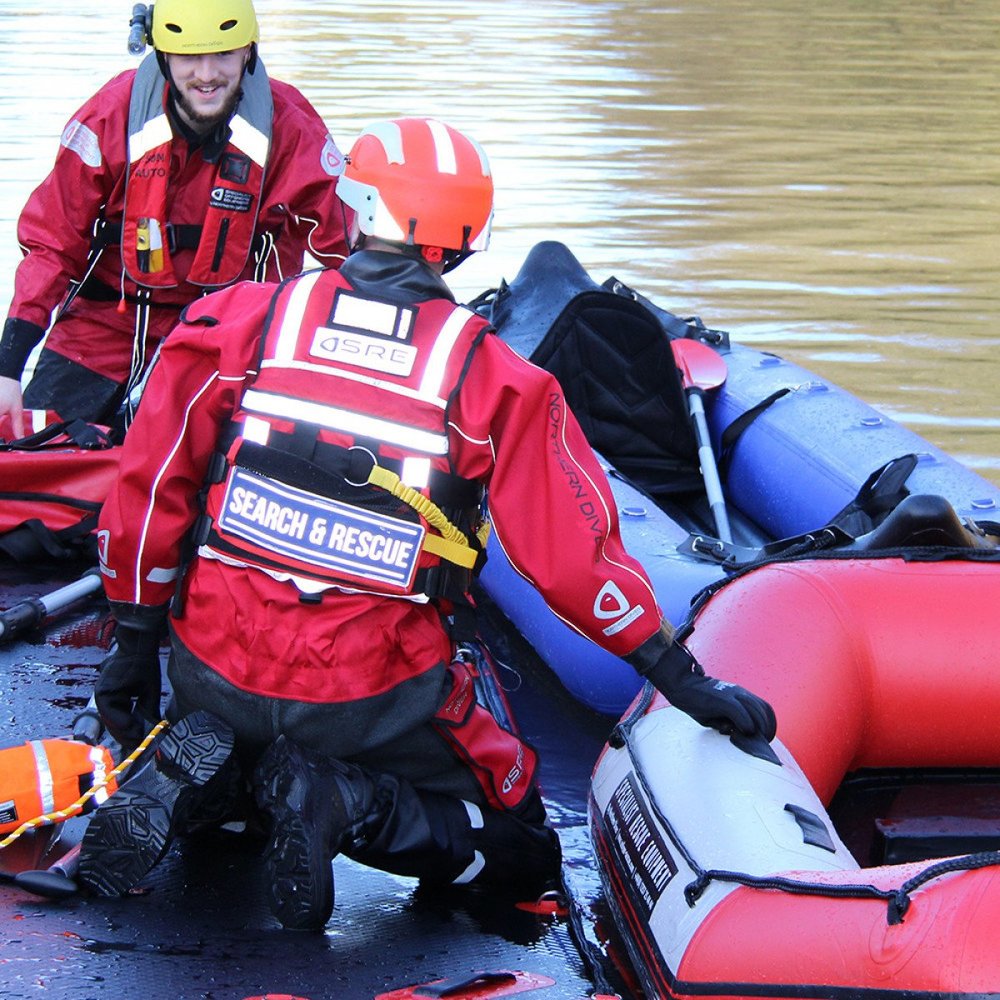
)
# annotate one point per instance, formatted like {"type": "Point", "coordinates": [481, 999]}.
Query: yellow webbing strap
{"type": "Point", "coordinates": [451, 544]}
{"type": "Point", "coordinates": [49, 819]}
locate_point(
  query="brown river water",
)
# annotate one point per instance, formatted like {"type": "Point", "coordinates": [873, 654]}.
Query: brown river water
{"type": "Point", "coordinates": [819, 179]}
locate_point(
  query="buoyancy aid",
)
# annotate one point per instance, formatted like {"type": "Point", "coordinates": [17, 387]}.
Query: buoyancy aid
{"type": "Point", "coordinates": [43, 777]}
{"type": "Point", "coordinates": [335, 470]}
{"type": "Point", "coordinates": [227, 233]}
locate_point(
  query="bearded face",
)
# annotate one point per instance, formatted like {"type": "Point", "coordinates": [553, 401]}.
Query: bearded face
{"type": "Point", "coordinates": [206, 88]}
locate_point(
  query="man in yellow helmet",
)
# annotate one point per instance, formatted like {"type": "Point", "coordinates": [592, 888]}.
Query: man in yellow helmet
{"type": "Point", "coordinates": [185, 175]}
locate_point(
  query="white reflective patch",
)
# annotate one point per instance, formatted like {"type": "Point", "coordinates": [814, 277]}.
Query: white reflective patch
{"type": "Point", "coordinates": [331, 159]}
{"type": "Point", "coordinates": [44, 774]}
{"type": "Point", "coordinates": [478, 864]}
{"type": "Point", "coordinates": [612, 603]}
{"type": "Point", "coordinates": [475, 814]}
{"type": "Point", "coordinates": [162, 574]}
{"type": "Point", "coordinates": [355, 424]}
{"type": "Point", "coordinates": [256, 430]}
{"type": "Point", "coordinates": [437, 365]}
{"type": "Point", "coordinates": [83, 141]}
{"type": "Point", "coordinates": [100, 775]}
{"type": "Point", "coordinates": [154, 133]}
{"type": "Point", "coordinates": [366, 315]}
{"type": "Point", "coordinates": [385, 224]}
{"type": "Point", "coordinates": [416, 472]}
{"type": "Point", "coordinates": [374, 353]}
{"type": "Point", "coordinates": [249, 140]}
{"type": "Point", "coordinates": [288, 336]}
{"type": "Point", "coordinates": [443, 147]}
{"type": "Point", "coordinates": [389, 134]}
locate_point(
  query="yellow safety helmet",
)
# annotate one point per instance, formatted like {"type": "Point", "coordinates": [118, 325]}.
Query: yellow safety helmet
{"type": "Point", "coordinates": [193, 27]}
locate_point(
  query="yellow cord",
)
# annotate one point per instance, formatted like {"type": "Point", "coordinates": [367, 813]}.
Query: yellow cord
{"type": "Point", "coordinates": [76, 808]}
{"type": "Point", "coordinates": [421, 504]}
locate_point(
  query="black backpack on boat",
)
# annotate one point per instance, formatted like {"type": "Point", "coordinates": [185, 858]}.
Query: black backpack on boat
{"type": "Point", "coordinates": [612, 356]}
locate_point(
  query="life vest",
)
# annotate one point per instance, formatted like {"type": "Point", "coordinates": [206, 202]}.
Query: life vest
{"type": "Point", "coordinates": [335, 471]}
{"type": "Point", "coordinates": [42, 777]}
{"type": "Point", "coordinates": [224, 243]}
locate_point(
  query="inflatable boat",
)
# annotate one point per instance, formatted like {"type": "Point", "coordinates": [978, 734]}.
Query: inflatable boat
{"type": "Point", "coordinates": [856, 856]}
{"type": "Point", "coordinates": [801, 462]}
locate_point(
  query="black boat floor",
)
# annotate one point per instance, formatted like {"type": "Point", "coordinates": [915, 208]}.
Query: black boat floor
{"type": "Point", "coordinates": [199, 926]}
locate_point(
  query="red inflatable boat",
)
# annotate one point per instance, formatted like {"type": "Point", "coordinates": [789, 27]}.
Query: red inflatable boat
{"type": "Point", "coordinates": [726, 872]}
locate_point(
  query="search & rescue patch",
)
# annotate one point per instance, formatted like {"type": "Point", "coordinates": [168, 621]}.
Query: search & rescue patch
{"type": "Point", "coordinates": [336, 538]}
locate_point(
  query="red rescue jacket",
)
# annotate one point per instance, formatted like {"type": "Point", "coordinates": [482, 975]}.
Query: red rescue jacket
{"type": "Point", "coordinates": [507, 428]}
{"type": "Point", "coordinates": [296, 209]}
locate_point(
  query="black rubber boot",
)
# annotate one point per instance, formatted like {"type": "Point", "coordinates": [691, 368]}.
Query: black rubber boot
{"type": "Point", "coordinates": [316, 805]}
{"type": "Point", "coordinates": [187, 776]}
{"type": "Point", "coordinates": [322, 807]}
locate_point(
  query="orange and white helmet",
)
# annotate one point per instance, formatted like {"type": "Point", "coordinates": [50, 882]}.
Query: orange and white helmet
{"type": "Point", "coordinates": [420, 182]}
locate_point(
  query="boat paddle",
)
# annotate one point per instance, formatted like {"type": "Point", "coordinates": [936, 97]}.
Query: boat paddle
{"type": "Point", "coordinates": [701, 369]}
{"type": "Point", "coordinates": [58, 881]}
{"type": "Point", "coordinates": [32, 612]}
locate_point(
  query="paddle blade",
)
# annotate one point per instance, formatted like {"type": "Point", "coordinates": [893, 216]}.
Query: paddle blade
{"type": "Point", "coordinates": [699, 365]}
{"type": "Point", "coordinates": [48, 883]}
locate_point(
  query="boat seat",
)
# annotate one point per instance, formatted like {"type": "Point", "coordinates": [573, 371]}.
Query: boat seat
{"type": "Point", "coordinates": [612, 357]}
{"type": "Point", "coordinates": [921, 520]}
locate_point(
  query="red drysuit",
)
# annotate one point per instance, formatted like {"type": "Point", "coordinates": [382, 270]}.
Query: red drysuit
{"type": "Point", "coordinates": [297, 207]}
{"type": "Point", "coordinates": [507, 427]}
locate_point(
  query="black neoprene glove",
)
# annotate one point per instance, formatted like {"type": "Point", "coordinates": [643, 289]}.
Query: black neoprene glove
{"type": "Point", "coordinates": [128, 688]}
{"type": "Point", "coordinates": [676, 674]}
{"type": "Point", "coordinates": [16, 343]}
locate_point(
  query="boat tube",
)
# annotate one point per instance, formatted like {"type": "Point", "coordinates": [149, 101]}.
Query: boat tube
{"type": "Point", "coordinates": [724, 870]}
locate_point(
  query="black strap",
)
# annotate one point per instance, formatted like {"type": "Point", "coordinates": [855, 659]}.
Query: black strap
{"type": "Point", "coordinates": [354, 464]}
{"type": "Point", "coordinates": [879, 495]}
{"type": "Point", "coordinates": [32, 542]}
{"type": "Point", "coordinates": [179, 237]}
{"type": "Point", "coordinates": [79, 433]}
{"type": "Point", "coordinates": [732, 434]}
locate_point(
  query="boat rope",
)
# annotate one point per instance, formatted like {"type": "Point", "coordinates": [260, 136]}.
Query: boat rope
{"type": "Point", "coordinates": [60, 815]}
{"type": "Point", "coordinates": [898, 900]}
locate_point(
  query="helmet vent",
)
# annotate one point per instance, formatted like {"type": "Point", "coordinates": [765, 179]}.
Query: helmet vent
{"type": "Point", "coordinates": [176, 28]}
{"type": "Point", "coordinates": [228, 25]}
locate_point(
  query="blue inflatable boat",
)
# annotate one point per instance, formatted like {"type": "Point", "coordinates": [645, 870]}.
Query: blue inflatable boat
{"type": "Point", "coordinates": [804, 466]}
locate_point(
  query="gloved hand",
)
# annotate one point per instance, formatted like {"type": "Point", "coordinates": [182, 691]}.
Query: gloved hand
{"type": "Point", "coordinates": [128, 688]}
{"type": "Point", "coordinates": [713, 703]}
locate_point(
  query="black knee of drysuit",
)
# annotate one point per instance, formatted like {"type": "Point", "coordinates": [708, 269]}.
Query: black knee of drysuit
{"type": "Point", "coordinates": [442, 840]}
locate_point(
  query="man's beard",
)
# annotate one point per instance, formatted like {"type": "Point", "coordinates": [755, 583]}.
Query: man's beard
{"type": "Point", "coordinates": [206, 123]}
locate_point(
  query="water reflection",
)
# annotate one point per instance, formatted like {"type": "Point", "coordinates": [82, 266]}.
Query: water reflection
{"type": "Point", "coordinates": [819, 179]}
